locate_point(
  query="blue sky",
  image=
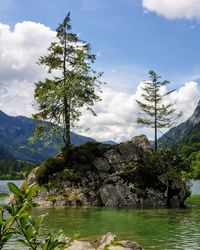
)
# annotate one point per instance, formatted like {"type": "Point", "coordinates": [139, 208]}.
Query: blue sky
{"type": "Point", "coordinates": [130, 37]}
{"type": "Point", "coordinates": [121, 32]}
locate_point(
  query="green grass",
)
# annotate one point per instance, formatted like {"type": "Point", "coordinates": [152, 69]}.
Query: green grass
{"type": "Point", "coordinates": [193, 200]}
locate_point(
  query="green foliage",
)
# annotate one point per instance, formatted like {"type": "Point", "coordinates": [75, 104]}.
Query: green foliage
{"type": "Point", "coordinates": [49, 167]}
{"type": "Point", "coordinates": [155, 114]}
{"type": "Point", "coordinates": [85, 153]}
{"type": "Point", "coordinates": [14, 170]}
{"type": "Point", "coordinates": [195, 167]}
{"type": "Point", "coordinates": [193, 200]}
{"type": "Point", "coordinates": [189, 148]}
{"type": "Point", "coordinates": [20, 223]}
{"type": "Point", "coordinates": [72, 164]}
{"type": "Point", "coordinates": [60, 99]}
{"type": "Point", "coordinates": [156, 170]}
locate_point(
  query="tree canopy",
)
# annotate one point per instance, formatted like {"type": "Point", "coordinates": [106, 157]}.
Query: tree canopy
{"type": "Point", "coordinates": [73, 86]}
{"type": "Point", "coordinates": [155, 113]}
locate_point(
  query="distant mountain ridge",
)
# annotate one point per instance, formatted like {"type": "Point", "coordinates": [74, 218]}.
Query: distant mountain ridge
{"type": "Point", "coordinates": [14, 132]}
{"type": "Point", "coordinates": [182, 131]}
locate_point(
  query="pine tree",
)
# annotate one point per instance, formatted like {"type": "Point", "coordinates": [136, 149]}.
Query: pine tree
{"type": "Point", "coordinates": [73, 86]}
{"type": "Point", "coordinates": [155, 114]}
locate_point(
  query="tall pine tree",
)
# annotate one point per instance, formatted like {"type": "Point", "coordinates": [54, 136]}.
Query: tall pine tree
{"type": "Point", "coordinates": [73, 85]}
{"type": "Point", "coordinates": [155, 114]}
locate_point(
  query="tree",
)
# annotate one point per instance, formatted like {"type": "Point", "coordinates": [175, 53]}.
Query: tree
{"type": "Point", "coordinates": [155, 113]}
{"type": "Point", "coordinates": [73, 86]}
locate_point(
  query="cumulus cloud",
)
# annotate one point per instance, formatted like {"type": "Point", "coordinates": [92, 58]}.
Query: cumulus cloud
{"type": "Point", "coordinates": [20, 49]}
{"type": "Point", "coordinates": [173, 9]}
{"type": "Point", "coordinates": [118, 112]}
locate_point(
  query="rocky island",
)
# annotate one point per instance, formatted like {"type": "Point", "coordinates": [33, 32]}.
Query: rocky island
{"type": "Point", "coordinates": [123, 175]}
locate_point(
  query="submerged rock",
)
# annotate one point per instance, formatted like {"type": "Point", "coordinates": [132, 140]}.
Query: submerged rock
{"type": "Point", "coordinates": [108, 175]}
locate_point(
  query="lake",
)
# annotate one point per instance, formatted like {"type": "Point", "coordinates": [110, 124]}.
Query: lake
{"type": "Point", "coordinates": [160, 229]}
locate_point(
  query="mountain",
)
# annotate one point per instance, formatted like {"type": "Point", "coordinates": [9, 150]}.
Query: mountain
{"type": "Point", "coordinates": [14, 132]}
{"type": "Point", "coordinates": [184, 131]}
{"type": "Point", "coordinates": [6, 155]}
{"type": "Point", "coordinates": [110, 142]}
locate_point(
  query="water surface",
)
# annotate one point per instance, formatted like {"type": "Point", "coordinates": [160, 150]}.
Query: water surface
{"type": "Point", "coordinates": [161, 229]}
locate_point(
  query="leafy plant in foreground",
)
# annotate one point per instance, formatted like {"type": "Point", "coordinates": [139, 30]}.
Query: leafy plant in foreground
{"type": "Point", "coordinates": [15, 219]}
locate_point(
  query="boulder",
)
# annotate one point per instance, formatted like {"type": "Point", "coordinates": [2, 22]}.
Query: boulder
{"type": "Point", "coordinates": [106, 239]}
{"type": "Point", "coordinates": [110, 179]}
{"type": "Point", "coordinates": [80, 245]}
{"type": "Point", "coordinates": [107, 242]}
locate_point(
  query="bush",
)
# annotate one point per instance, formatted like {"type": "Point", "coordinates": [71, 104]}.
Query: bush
{"type": "Point", "coordinates": [48, 168]}
{"type": "Point", "coordinates": [81, 158]}
{"type": "Point", "coordinates": [155, 169]}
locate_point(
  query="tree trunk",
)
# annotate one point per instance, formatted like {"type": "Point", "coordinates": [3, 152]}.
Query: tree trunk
{"type": "Point", "coordinates": [156, 139]}
{"type": "Point", "coordinates": [155, 119]}
{"type": "Point", "coordinates": [66, 136]}
{"type": "Point", "coordinates": [66, 115]}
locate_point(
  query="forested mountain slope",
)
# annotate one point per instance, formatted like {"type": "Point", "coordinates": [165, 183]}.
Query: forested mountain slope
{"type": "Point", "coordinates": [14, 132]}
{"type": "Point", "coordinates": [186, 132]}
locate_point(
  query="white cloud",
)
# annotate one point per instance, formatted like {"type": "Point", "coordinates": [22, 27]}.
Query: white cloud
{"type": "Point", "coordinates": [186, 99]}
{"type": "Point", "coordinates": [20, 49]}
{"type": "Point", "coordinates": [115, 119]}
{"type": "Point", "coordinates": [118, 112]}
{"type": "Point", "coordinates": [172, 9]}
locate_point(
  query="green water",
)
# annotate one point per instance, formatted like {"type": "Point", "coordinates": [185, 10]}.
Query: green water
{"type": "Point", "coordinates": [162, 229]}
{"type": "Point", "coordinates": [153, 229]}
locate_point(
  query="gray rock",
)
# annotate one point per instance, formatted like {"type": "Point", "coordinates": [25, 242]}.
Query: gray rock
{"type": "Point", "coordinates": [106, 239]}
{"type": "Point", "coordinates": [126, 245]}
{"type": "Point", "coordinates": [111, 182]}
{"type": "Point", "coordinates": [115, 159]}
{"type": "Point", "coordinates": [80, 245]}
{"type": "Point", "coordinates": [142, 143]}
{"type": "Point", "coordinates": [101, 164]}
{"type": "Point", "coordinates": [130, 151]}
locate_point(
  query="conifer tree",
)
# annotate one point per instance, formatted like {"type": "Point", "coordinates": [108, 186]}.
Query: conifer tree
{"type": "Point", "coordinates": [73, 86]}
{"type": "Point", "coordinates": [155, 114]}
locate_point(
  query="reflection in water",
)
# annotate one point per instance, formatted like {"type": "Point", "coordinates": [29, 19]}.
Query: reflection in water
{"type": "Point", "coordinates": [162, 229]}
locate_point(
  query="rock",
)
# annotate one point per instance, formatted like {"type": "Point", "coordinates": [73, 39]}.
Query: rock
{"type": "Point", "coordinates": [31, 177]}
{"type": "Point", "coordinates": [115, 159]}
{"type": "Point", "coordinates": [111, 180]}
{"type": "Point", "coordinates": [115, 195]}
{"type": "Point", "coordinates": [107, 242]}
{"type": "Point", "coordinates": [130, 151]}
{"type": "Point", "coordinates": [102, 164]}
{"type": "Point", "coordinates": [125, 245]}
{"type": "Point", "coordinates": [131, 244]}
{"type": "Point", "coordinates": [80, 245]}
{"type": "Point", "coordinates": [141, 142]}
{"type": "Point", "coordinates": [110, 242]}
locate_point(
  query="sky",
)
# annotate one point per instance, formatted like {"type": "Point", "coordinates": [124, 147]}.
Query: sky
{"type": "Point", "coordinates": [129, 37]}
